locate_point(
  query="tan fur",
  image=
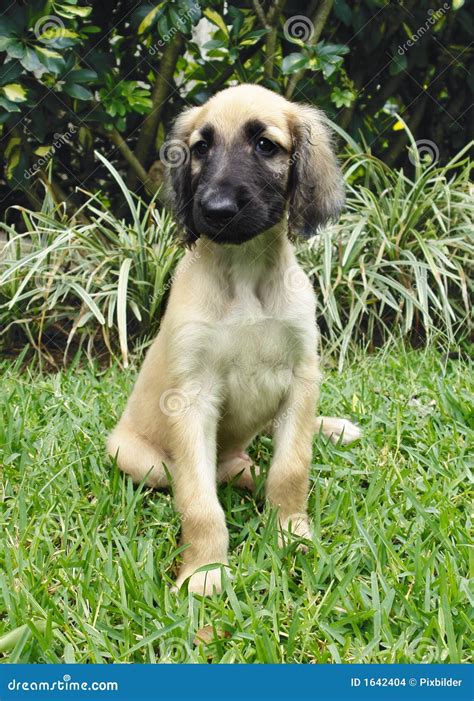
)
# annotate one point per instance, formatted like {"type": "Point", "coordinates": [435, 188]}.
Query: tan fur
{"type": "Point", "coordinates": [237, 350]}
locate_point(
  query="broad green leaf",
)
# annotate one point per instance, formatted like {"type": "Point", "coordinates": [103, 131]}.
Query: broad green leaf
{"type": "Point", "coordinates": [256, 34]}
{"type": "Point", "coordinates": [216, 19]}
{"type": "Point", "coordinates": [73, 10]}
{"type": "Point", "coordinates": [77, 91]}
{"type": "Point", "coordinates": [82, 75]}
{"type": "Point", "coordinates": [12, 155]}
{"type": "Point", "coordinates": [16, 49]}
{"type": "Point", "coordinates": [175, 19]}
{"type": "Point", "coordinates": [49, 53]}
{"type": "Point", "coordinates": [163, 27]}
{"type": "Point", "coordinates": [341, 97]}
{"type": "Point", "coordinates": [15, 92]}
{"type": "Point", "coordinates": [149, 19]}
{"type": "Point", "coordinates": [343, 11]}
{"type": "Point", "coordinates": [42, 150]}
{"type": "Point", "coordinates": [4, 43]}
{"type": "Point", "coordinates": [53, 34]}
{"type": "Point", "coordinates": [330, 50]}
{"type": "Point", "coordinates": [31, 61]}
{"type": "Point", "coordinates": [8, 105]}
{"type": "Point", "coordinates": [12, 144]}
{"type": "Point", "coordinates": [10, 71]}
{"type": "Point", "coordinates": [237, 17]}
{"type": "Point", "coordinates": [214, 44]}
{"type": "Point", "coordinates": [293, 63]}
{"type": "Point", "coordinates": [53, 60]}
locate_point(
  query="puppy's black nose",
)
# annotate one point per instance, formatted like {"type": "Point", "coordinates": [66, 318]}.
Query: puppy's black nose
{"type": "Point", "coordinates": [219, 208]}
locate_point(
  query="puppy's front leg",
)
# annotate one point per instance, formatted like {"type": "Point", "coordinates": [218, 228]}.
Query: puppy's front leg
{"type": "Point", "coordinates": [194, 480]}
{"type": "Point", "coordinates": [288, 479]}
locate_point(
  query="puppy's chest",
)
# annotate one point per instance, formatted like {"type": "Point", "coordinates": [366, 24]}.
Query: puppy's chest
{"type": "Point", "coordinates": [256, 352]}
{"type": "Point", "coordinates": [254, 345]}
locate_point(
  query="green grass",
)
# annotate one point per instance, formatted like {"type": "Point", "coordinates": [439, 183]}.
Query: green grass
{"type": "Point", "coordinates": [87, 561]}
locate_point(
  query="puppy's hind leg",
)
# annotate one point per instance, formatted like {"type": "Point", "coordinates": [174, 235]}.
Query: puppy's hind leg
{"type": "Point", "coordinates": [137, 457]}
{"type": "Point", "coordinates": [337, 429]}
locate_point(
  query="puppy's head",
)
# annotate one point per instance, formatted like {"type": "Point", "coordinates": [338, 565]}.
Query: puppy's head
{"type": "Point", "coordinates": [247, 158]}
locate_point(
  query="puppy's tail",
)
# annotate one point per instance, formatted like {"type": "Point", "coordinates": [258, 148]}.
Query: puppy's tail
{"type": "Point", "coordinates": [337, 429]}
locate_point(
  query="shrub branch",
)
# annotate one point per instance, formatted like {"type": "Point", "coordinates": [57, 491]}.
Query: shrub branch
{"type": "Point", "coordinates": [135, 165]}
{"type": "Point", "coordinates": [319, 22]}
{"type": "Point", "coordinates": [160, 91]}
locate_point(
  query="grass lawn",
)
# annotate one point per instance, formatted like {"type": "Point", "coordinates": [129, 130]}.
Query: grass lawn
{"type": "Point", "coordinates": [87, 561]}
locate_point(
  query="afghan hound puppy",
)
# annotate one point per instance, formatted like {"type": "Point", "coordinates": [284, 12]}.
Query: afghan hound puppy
{"type": "Point", "coordinates": [238, 345]}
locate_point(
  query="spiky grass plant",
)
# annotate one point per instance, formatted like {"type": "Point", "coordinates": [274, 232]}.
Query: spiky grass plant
{"type": "Point", "coordinates": [400, 261]}
{"type": "Point", "coordinates": [92, 284]}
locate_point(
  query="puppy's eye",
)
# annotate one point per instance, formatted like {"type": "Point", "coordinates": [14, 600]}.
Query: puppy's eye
{"type": "Point", "coordinates": [265, 147]}
{"type": "Point", "coordinates": [200, 148]}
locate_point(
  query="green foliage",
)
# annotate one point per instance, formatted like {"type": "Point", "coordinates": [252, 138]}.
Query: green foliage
{"type": "Point", "coordinates": [88, 562]}
{"type": "Point", "coordinates": [104, 67]}
{"type": "Point", "coordinates": [326, 58]}
{"type": "Point", "coordinates": [119, 97]}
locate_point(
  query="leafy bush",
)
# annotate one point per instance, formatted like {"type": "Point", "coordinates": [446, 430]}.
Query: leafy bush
{"type": "Point", "coordinates": [112, 75]}
{"type": "Point", "coordinates": [399, 262]}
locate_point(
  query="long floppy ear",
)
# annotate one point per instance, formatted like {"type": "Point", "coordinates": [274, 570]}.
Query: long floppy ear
{"type": "Point", "coordinates": [316, 183]}
{"type": "Point", "coordinates": [176, 156]}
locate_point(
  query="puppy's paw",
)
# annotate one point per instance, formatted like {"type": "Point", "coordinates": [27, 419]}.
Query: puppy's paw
{"type": "Point", "coordinates": [295, 526]}
{"type": "Point", "coordinates": [238, 469]}
{"type": "Point", "coordinates": [338, 429]}
{"type": "Point", "coordinates": [203, 583]}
